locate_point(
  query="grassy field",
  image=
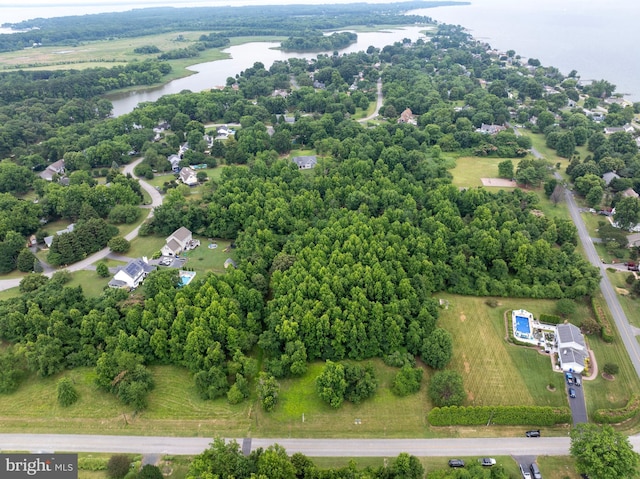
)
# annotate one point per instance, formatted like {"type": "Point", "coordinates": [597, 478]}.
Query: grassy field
{"type": "Point", "coordinates": [92, 284]}
{"type": "Point", "coordinates": [203, 259]}
{"type": "Point", "coordinates": [469, 170]}
{"type": "Point", "coordinates": [629, 303]}
{"type": "Point", "coordinates": [494, 370]}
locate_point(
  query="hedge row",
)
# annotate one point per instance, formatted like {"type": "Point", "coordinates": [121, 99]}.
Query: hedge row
{"type": "Point", "coordinates": [502, 415]}
{"type": "Point", "coordinates": [606, 333]}
{"type": "Point", "coordinates": [550, 319]}
{"type": "Point", "coordinates": [615, 416]}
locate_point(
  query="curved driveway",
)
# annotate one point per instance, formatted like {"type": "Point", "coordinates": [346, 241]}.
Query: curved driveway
{"type": "Point", "coordinates": [156, 200]}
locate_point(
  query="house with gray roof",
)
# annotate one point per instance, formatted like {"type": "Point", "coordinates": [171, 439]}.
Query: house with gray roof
{"type": "Point", "coordinates": [609, 177]}
{"type": "Point", "coordinates": [48, 240]}
{"type": "Point", "coordinates": [188, 176]}
{"type": "Point", "coordinates": [56, 168]}
{"type": "Point", "coordinates": [180, 240]}
{"type": "Point", "coordinates": [132, 275]}
{"type": "Point", "coordinates": [571, 347]}
{"type": "Point", "coordinates": [305, 162]}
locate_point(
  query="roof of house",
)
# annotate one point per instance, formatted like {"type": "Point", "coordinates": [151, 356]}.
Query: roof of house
{"type": "Point", "coordinates": [609, 177]}
{"type": "Point", "coordinates": [181, 234]}
{"type": "Point", "coordinates": [630, 193]}
{"type": "Point", "coordinates": [569, 333]}
{"type": "Point", "coordinates": [572, 355]}
{"type": "Point", "coordinates": [136, 267]}
{"type": "Point", "coordinates": [305, 160]}
{"type": "Point", "coordinates": [173, 244]}
{"type": "Point", "coordinates": [186, 172]}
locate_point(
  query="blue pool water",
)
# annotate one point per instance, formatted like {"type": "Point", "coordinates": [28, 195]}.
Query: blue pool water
{"type": "Point", "coordinates": [522, 325]}
{"type": "Point", "coordinates": [186, 277]}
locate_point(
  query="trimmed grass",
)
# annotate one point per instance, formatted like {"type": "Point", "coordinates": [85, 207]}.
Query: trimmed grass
{"type": "Point", "coordinates": [10, 293]}
{"type": "Point", "coordinates": [469, 170]}
{"type": "Point", "coordinates": [557, 467]}
{"type": "Point", "coordinates": [379, 416]}
{"type": "Point", "coordinates": [203, 260]}
{"type": "Point", "coordinates": [494, 370]}
{"type": "Point", "coordinates": [92, 284]}
{"type": "Point", "coordinates": [629, 303]}
{"type": "Point", "coordinates": [145, 246]}
{"type": "Point", "coordinates": [174, 408]}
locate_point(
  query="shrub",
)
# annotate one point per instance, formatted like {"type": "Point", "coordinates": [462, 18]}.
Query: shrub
{"type": "Point", "coordinates": [446, 389]}
{"type": "Point", "coordinates": [397, 359]}
{"type": "Point", "coordinates": [118, 244]}
{"type": "Point", "coordinates": [118, 466]}
{"type": "Point", "coordinates": [551, 319]}
{"type": "Point", "coordinates": [150, 471]}
{"type": "Point", "coordinates": [331, 385]}
{"type": "Point", "coordinates": [26, 260]}
{"type": "Point", "coordinates": [92, 463]}
{"type": "Point", "coordinates": [407, 381]}
{"type": "Point", "coordinates": [566, 307]}
{"type": "Point", "coordinates": [268, 389]}
{"type": "Point", "coordinates": [102, 270]}
{"type": "Point", "coordinates": [616, 416]}
{"type": "Point", "coordinates": [31, 282]}
{"type": "Point", "coordinates": [67, 394]}
{"type": "Point", "coordinates": [611, 368]}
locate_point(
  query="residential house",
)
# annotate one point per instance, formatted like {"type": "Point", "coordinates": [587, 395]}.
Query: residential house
{"type": "Point", "coordinates": [617, 129]}
{"type": "Point", "coordinates": [630, 193]}
{"type": "Point", "coordinates": [175, 163]}
{"type": "Point", "coordinates": [49, 239]}
{"type": "Point", "coordinates": [56, 168]}
{"type": "Point", "coordinates": [609, 177]}
{"type": "Point", "coordinates": [132, 275]}
{"type": "Point", "coordinates": [572, 349]}
{"type": "Point", "coordinates": [180, 240]}
{"type": "Point", "coordinates": [305, 162]}
{"type": "Point", "coordinates": [490, 129]}
{"type": "Point", "coordinates": [223, 132]}
{"type": "Point", "coordinates": [407, 117]}
{"type": "Point", "coordinates": [188, 176]}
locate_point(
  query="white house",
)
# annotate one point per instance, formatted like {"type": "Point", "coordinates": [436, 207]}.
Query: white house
{"type": "Point", "coordinates": [305, 162]}
{"type": "Point", "coordinates": [572, 349]}
{"type": "Point", "coordinates": [56, 168]}
{"type": "Point", "coordinates": [132, 275]}
{"type": "Point", "coordinates": [188, 176]}
{"type": "Point", "coordinates": [175, 162]}
{"type": "Point", "coordinates": [179, 241]}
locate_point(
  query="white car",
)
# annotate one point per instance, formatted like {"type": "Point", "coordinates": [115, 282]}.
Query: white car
{"type": "Point", "coordinates": [488, 461]}
{"type": "Point", "coordinates": [525, 473]}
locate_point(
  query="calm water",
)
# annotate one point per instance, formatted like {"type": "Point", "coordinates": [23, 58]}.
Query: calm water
{"type": "Point", "coordinates": [212, 74]}
{"type": "Point", "coordinates": [598, 38]}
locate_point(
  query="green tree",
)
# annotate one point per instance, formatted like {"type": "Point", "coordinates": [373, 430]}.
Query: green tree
{"type": "Point", "coordinates": [611, 368]}
{"type": "Point", "coordinates": [26, 260]}
{"type": "Point", "coordinates": [437, 348]}
{"type": "Point", "coordinates": [268, 389]}
{"type": "Point", "coordinates": [505, 169]}
{"type": "Point", "coordinates": [407, 380]}
{"type": "Point", "coordinates": [627, 212]}
{"type": "Point", "coordinates": [102, 269]}
{"type": "Point", "coordinates": [602, 452]}
{"type": "Point", "coordinates": [31, 282]}
{"type": "Point", "coordinates": [566, 307]}
{"type": "Point", "coordinates": [331, 385]}
{"type": "Point", "coordinates": [118, 244]}
{"type": "Point", "coordinates": [118, 466]}
{"type": "Point", "coordinates": [406, 466]}
{"type": "Point", "coordinates": [67, 394]}
{"type": "Point", "coordinates": [446, 389]}
{"type": "Point", "coordinates": [274, 463]}
{"type": "Point", "coordinates": [149, 471]}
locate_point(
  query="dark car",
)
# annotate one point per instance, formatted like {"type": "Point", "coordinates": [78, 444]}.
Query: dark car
{"type": "Point", "coordinates": [533, 433]}
{"type": "Point", "coordinates": [577, 381]}
{"type": "Point", "coordinates": [456, 463]}
{"type": "Point", "coordinates": [572, 393]}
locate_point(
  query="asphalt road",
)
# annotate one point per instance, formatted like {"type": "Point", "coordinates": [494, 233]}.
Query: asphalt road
{"type": "Point", "coordinates": [578, 404]}
{"type": "Point", "coordinates": [622, 323]}
{"type": "Point", "coordinates": [312, 447]}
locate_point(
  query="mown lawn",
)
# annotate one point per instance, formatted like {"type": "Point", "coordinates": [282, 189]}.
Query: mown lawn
{"type": "Point", "coordinates": [630, 304]}
{"type": "Point", "coordinates": [469, 170]}
{"type": "Point", "coordinates": [92, 284]}
{"type": "Point", "coordinates": [495, 371]}
{"type": "Point", "coordinates": [146, 246]}
{"type": "Point", "coordinates": [203, 259]}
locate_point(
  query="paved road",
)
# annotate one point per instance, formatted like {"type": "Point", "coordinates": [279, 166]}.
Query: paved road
{"type": "Point", "coordinates": [312, 447]}
{"type": "Point", "coordinates": [622, 323]}
{"type": "Point", "coordinates": [378, 104]}
{"type": "Point", "coordinates": [156, 200]}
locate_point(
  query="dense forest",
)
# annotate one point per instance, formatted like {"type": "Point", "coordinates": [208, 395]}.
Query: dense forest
{"type": "Point", "coordinates": [276, 20]}
{"type": "Point", "coordinates": [338, 263]}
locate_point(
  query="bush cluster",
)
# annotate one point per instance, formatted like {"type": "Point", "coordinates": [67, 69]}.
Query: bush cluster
{"type": "Point", "coordinates": [616, 416]}
{"type": "Point", "coordinates": [606, 333]}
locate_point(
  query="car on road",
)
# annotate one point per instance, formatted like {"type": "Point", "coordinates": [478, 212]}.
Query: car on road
{"type": "Point", "coordinates": [577, 381]}
{"type": "Point", "coordinates": [525, 474]}
{"type": "Point", "coordinates": [456, 463]}
{"type": "Point", "coordinates": [533, 433]}
{"type": "Point", "coordinates": [572, 393]}
{"type": "Point", "coordinates": [488, 461]}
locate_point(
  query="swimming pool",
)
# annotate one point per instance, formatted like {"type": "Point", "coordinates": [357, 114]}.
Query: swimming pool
{"type": "Point", "coordinates": [522, 326]}
{"type": "Point", "coordinates": [186, 277]}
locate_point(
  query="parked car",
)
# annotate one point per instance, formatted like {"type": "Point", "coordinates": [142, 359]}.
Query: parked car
{"type": "Point", "coordinates": [572, 393]}
{"type": "Point", "coordinates": [525, 474]}
{"type": "Point", "coordinates": [456, 463]}
{"type": "Point", "coordinates": [577, 381]}
{"type": "Point", "coordinates": [488, 461]}
{"type": "Point", "coordinates": [533, 433]}
{"type": "Point", "coordinates": [535, 472]}
{"type": "Point", "coordinates": [569, 378]}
